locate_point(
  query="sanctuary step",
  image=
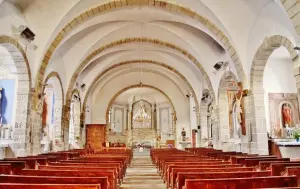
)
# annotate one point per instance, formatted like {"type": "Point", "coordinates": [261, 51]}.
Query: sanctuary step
{"type": "Point", "coordinates": [142, 174]}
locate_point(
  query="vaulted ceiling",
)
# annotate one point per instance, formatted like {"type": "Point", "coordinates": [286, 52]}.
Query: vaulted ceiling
{"type": "Point", "coordinates": [94, 41]}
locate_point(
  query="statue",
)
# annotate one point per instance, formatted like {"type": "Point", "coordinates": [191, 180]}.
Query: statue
{"type": "Point", "coordinates": [286, 115]}
{"type": "Point", "coordinates": [237, 117]}
{"type": "Point", "coordinates": [183, 134]}
{"type": "Point", "coordinates": [45, 112]}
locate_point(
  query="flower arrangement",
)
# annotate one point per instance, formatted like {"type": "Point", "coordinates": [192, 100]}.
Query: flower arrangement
{"type": "Point", "coordinates": [297, 135]}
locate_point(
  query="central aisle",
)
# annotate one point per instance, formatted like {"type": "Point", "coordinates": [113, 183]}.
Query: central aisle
{"type": "Point", "coordinates": [142, 174]}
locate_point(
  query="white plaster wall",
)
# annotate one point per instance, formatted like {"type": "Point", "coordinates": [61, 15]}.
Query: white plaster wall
{"type": "Point", "coordinates": [278, 77]}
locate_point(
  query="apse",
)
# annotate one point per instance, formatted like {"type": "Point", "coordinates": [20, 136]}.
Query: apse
{"type": "Point", "coordinates": [141, 115]}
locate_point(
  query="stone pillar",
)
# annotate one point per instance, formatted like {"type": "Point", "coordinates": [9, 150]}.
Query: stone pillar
{"type": "Point", "coordinates": [203, 124]}
{"type": "Point", "coordinates": [157, 120]}
{"type": "Point", "coordinates": [246, 140]}
{"type": "Point", "coordinates": [124, 118]}
{"type": "Point", "coordinates": [193, 118]}
{"type": "Point", "coordinates": [129, 117]}
{"type": "Point", "coordinates": [153, 116]}
{"type": "Point", "coordinates": [198, 134]}
{"type": "Point", "coordinates": [112, 121]}
{"type": "Point", "coordinates": [66, 124]}
{"type": "Point", "coordinates": [36, 123]}
{"type": "Point", "coordinates": [258, 127]}
{"type": "Point", "coordinates": [216, 127]}
{"type": "Point", "coordinates": [57, 137]}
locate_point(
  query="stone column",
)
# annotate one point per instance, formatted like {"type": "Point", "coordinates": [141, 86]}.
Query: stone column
{"type": "Point", "coordinates": [124, 118]}
{"type": "Point", "coordinates": [157, 120]}
{"type": "Point", "coordinates": [258, 127]}
{"type": "Point", "coordinates": [198, 134]}
{"type": "Point", "coordinates": [152, 116]}
{"type": "Point", "coordinates": [216, 127]}
{"type": "Point", "coordinates": [203, 124]}
{"type": "Point", "coordinates": [57, 124]}
{"type": "Point", "coordinates": [129, 117]}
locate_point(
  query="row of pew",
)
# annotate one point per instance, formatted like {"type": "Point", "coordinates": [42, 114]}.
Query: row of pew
{"type": "Point", "coordinates": [207, 168]}
{"type": "Point", "coordinates": [76, 169]}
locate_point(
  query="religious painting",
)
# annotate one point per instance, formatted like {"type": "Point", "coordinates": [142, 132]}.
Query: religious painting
{"type": "Point", "coordinates": [141, 115]}
{"type": "Point", "coordinates": [283, 112]}
{"type": "Point", "coordinates": [230, 99]}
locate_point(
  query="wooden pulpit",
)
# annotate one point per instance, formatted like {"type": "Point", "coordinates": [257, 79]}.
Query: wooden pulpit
{"type": "Point", "coordinates": [95, 135]}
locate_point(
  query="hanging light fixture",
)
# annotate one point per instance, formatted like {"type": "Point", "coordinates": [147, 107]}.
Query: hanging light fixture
{"type": "Point", "coordinates": [141, 115]}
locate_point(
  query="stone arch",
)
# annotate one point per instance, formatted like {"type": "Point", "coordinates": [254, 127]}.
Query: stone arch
{"type": "Point", "coordinates": [137, 62]}
{"type": "Point", "coordinates": [110, 6]}
{"type": "Point", "coordinates": [228, 86]}
{"type": "Point", "coordinates": [22, 125]}
{"type": "Point", "coordinates": [293, 13]}
{"type": "Point", "coordinates": [58, 107]}
{"type": "Point", "coordinates": [258, 120]}
{"type": "Point", "coordinates": [140, 86]}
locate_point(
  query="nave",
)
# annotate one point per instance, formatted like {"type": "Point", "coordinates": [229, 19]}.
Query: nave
{"type": "Point", "coordinates": [112, 168]}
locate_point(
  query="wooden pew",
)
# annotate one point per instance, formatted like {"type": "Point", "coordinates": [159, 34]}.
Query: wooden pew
{"type": "Point", "coordinates": [189, 162]}
{"type": "Point", "coordinates": [5, 169]}
{"type": "Point", "coordinates": [79, 168]}
{"type": "Point", "coordinates": [253, 162]}
{"type": "Point", "coordinates": [73, 173]}
{"type": "Point", "coordinates": [294, 170]}
{"type": "Point", "coordinates": [182, 176]}
{"type": "Point", "coordinates": [49, 186]}
{"type": "Point", "coordinates": [175, 172]}
{"type": "Point", "coordinates": [121, 170]}
{"type": "Point", "coordinates": [266, 165]}
{"type": "Point", "coordinates": [242, 183]}
{"type": "Point", "coordinates": [278, 169]}
{"type": "Point", "coordinates": [242, 160]}
{"type": "Point", "coordinates": [16, 166]}
{"type": "Point", "coordinates": [171, 167]}
{"type": "Point", "coordinates": [103, 181]}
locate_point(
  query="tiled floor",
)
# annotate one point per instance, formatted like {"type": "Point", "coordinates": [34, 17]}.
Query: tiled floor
{"type": "Point", "coordinates": [142, 174]}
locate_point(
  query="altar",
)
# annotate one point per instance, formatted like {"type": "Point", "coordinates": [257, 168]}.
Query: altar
{"type": "Point", "coordinates": [287, 148]}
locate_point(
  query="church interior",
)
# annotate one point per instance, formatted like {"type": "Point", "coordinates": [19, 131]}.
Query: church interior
{"type": "Point", "coordinates": [138, 94]}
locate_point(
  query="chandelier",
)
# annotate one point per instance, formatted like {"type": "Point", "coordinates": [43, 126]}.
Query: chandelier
{"type": "Point", "coordinates": [141, 115]}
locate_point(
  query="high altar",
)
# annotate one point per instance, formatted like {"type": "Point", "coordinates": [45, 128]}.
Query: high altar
{"type": "Point", "coordinates": [141, 123]}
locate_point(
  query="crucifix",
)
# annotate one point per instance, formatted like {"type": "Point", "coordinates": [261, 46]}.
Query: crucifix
{"type": "Point", "coordinates": [239, 101]}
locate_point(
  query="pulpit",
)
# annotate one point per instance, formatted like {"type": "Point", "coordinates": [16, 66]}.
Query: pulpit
{"type": "Point", "coordinates": [185, 144]}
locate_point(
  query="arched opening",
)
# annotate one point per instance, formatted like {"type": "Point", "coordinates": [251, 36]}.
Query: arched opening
{"type": "Point", "coordinates": [52, 114]}
{"type": "Point", "coordinates": [280, 92]}
{"type": "Point", "coordinates": [74, 124]}
{"type": "Point", "coordinates": [15, 84]}
{"type": "Point", "coordinates": [141, 116]}
{"type": "Point", "coordinates": [259, 134]}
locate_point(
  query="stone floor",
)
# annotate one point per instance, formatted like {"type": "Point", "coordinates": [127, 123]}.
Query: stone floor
{"type": "Point", "coordinates": [142, 174]}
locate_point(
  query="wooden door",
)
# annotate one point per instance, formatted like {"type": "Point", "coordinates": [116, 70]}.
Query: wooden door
{"type": "Point", "coordinates": [95, 135]}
